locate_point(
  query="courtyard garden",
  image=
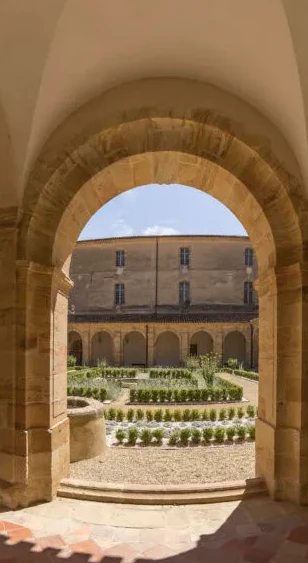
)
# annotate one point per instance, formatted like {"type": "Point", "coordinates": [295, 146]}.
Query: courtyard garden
{"type": "Point", "coordinates": [159, 418]}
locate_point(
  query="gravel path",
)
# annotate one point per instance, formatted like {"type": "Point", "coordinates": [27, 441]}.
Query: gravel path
{"type": "Point", "coordinates": [155, 466]}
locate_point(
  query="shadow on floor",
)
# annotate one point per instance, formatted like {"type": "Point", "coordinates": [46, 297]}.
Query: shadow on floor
{"type": "Point", "coordinates": [257, 531]}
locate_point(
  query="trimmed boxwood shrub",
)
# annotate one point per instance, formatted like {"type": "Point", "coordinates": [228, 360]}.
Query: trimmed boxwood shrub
{"type": "Point", "coordinates": [149, 415]}
{"type": "Point", "coordinates": [231, 413]}
{"type": "Point", "coordinates": [208, 434]}
{"type": "Point", "coordinates": [168, 415]}
{"type": "Point", "coordinates": [177, 415]}
{"type": "Point", "coordinates": [185, 434]}
{"type": "Point", "coordinates": [241, 433]}
{"type": "Point", "coordinates": [146, 436]}
{"type": "Point", "coordinates": [252, 432]}
{"type": "Point", "coordinates": [230, 431]}
{"type": "Point", "coordinates": [120, 415]}
{"type": "Point", "coordinates": [196, 436]}
{"type": "Point", "coordinates": [158, 434]}
{"type": "Point", "coordinates": [213, 415]}
{"type": "Point", "coordinates": [186, 415]}
{"type": "Point", "coordinates": [132, 436]}
{"type": "Point", "coordinates": [250, 411]}
{"type": "Point", "coordinates": [130, 415]}
{"type": "Point", "coordinates": [240, 412]}
{"type": "Point", "coordinates": [140, 414]}
{"type": "Point", "coordinates": [174, 438]}
{"type": "Point", "coordinates": [205, 415]}
{"type": "Point", "coordinates": [219, 434]}
{"type": "Point", "coordinates": [120, 435]}
{"type": "Point", "coordinates": [118, 372]}
{"type": "Point", "coordinates": [158, 415]}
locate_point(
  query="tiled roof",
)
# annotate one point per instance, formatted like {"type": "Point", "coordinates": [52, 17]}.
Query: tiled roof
{"type": "Point", "coordinates": [210, 317]}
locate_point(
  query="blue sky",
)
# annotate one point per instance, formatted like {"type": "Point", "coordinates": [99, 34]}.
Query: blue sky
{"type": "Point", "coordinates": [162, 210]}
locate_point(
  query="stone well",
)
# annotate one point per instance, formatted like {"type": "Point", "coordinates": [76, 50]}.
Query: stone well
{"type": "Point", "coordinates": [87, 428]}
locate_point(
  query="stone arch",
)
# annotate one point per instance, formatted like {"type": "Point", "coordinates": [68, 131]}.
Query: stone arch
{"type": "Point", "coordinates": [167, 351]}
{"type": "Point", "coordinates": [134, 349]}
{"type": "Point", "coordinates": [203, 341]}
{"type": "Point", "coordinates": [102, 347]}
{"type": "Point", "coordinates": [74, 346]}
{"type": "Point", "coordinates": [235, 347]}
{"type": "Point", "coordinates": [194, 139]}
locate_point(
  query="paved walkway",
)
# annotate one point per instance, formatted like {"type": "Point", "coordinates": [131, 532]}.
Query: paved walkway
{"type": "Point", "coordinates": [251, 531]}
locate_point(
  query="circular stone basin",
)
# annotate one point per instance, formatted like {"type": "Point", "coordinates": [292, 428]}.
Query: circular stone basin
{"type": "Point", "coordinates": [87, 428]}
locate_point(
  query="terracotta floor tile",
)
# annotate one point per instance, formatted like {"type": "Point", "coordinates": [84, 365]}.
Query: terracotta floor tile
{"type": "Point", "coordinates": [158, 552]}
{"type": "Point", "coordinates": [50, 541]}
{"type": "Point", "coordinates": [124, 550]}
{"type": "Point", "coordinates": [299, 535]}
{"type": "Point", "coordinates": [87, 546]}
{"type": "Point", "coordinates": [257, 555]}
{"type": "Point", "coordinates": [17, 535]}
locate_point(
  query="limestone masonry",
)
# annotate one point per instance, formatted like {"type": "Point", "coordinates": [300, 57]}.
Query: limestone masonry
{"type": "Point", "coordinates": [154, 300]}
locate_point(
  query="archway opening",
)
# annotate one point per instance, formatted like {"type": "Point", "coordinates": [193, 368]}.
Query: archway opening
{"type": "Point", "coordinates": [134, 349]}
{"type": "Point", "coordinates": [235, 348]}
{"type": "Point", "coordinates": [74, 346]}
{"type": "Point", "coordinates": [102, 349]}
{"type": "Point", "coordinates": [167, 349]}
{"type": "Point", "coordinates": [201, 343]}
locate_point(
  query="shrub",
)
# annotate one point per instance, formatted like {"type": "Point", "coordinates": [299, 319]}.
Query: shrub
{"type": "Point", "coordinates": [162, 395]}
{"type": "Point", "coordinates": [232, 363]}
{"type": "Point", "coordinates": [208, 434]}
{"type": "Point", "coordinates": [130, 415]}
{"type": "Point", "coordinates": [186, 415]}
{"type": "Point", "coordinates": [231, 413]}
{"type": "Point", "coordinates": [147, 395]}
{"type": "Point", "coordinates": [132, 395]}
{"type": "Point", "coordinates": [240, 412]}
{"type": "Point", "coordinates": [140, 414]}
{"type": "Point", "coordinates": [71, 361]}
{"type": "Point", "coordinates": [222, 414]}
{"type": "Point", "coordinates": [241, 433]}
{"type": "Point", "coordinates": [146, 436]}
{"type": "Point", "coordinates": [197, 396]}
{"type": "Point", "coordinates": [216, 396]}
{"type": "Point", "coordinates": [230, 431]}
{"type": "Point", "coordinates": [219, 434]}
{"type": "Point", "coordinates": [120, 415]}
{"type": "Point", "coordinates": [195, 414]}
{"type": "Point", "coordinates": [154, 395]}
{"type": "Point", "coordinates": [149, 415]}
{"type": "Point", "coordinates": [183, 395]}
{"type": "Point", "coordinates": [158, 415]}
{"type": "Point", "coordinates": [177, 415]}
{"type": "Point", "coordinates": [213, 414]}
{"type": "Point", "coordinates": [158, 434]}
{"type": "Point", "coordinates": [224, 394]}
{"type": "Point", "coordinates": [173, 438]}
{"type": "Point", "coordinates": [169, 395]}
{"type": "Point", "coordinates": [168, 415]}
{"type": "Point", "coordinates": [140, 395]}
{"type": "Point", "coordinates": [120, 435]}
{"type": "Point", "coordinates": [250, 411]}
{"type": "Point", "coordinates": [196, 436]}
{"type": "Point", "coordinates": [252, 432]}
{"type": "Point", "coordinates": [176, 396]}
{"type": "Point", "coordinates": [191, 394]}
{"type": "Point", "coordinates": [204, 394]}
{"type": "Point", "coordinates": [112, 414]}
{"type": "Point", "coordinates": [184, 436]}
{"type": "Point", "coordinates": [132, 436]}
{"type": "Point", "coordinates": [205, 415]}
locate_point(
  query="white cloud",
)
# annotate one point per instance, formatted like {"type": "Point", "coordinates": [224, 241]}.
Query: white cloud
{"type": "Point", "coordinates": [122, 229]}
{"type": "Point", "coordinates": [158, 230]}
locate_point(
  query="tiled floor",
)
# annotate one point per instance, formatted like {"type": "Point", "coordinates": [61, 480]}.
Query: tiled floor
{"type": "Point", "coordinates": [251, 531]}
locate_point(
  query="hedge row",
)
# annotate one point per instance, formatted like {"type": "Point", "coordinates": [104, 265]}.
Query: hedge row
{"type": "Point", "coordinates": [193, 395]}
{"type": "Point", "coordinates": [99, 393]}
{"type": "Point", "coordinates": [243, 373]}
{"type": "Point", "coordinates": [187, 436]}
{"type": "Point", "coordinates": [179, 415]}
{"type": "Point", "coordinates": [176, 373]}
{"type": "Point", "coordinates": [119, 372]}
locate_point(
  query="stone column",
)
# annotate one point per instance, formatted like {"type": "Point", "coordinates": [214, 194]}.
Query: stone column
{"type": "Point", "coordinates": [184, 346]}
{"type": "Point", "coordinates": [41, 440]}
{"type": "Point", "coordinates": [8, 253]}
{"type": "Point", "coordinates": [86, 348]}
{"type": "Point", "coordinates": [282, 427]}
{"type": "Point", "coordinates": [117, 348]}
{"type": "Point", "coordinates": [151, 340]}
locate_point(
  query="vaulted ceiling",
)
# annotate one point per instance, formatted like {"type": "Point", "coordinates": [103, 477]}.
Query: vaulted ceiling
{"type": "Point", "coordinates": [55, 55]}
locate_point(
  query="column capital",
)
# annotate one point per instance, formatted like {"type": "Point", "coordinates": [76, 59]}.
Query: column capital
{"type": "Point", "coordinates": [54, 277]}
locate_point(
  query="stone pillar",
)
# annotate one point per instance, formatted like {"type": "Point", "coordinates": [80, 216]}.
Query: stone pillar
{"type": "Point", "coordinates": [86, 348]}
{"type": "Point", "coordinates": [151, 340]}
{"type": "Point", "coordinates": [248, 336]}
{"type": "Point", "coordinates": [41, 437]}
{"type": "Point", "coordinates": [117, 348]}
{"type": "Point", "coordinates": [282, 427]}
{"type": "Point", "coordinates": [184, 347]}
{"type": "Point", "coordinates": [8, 253]}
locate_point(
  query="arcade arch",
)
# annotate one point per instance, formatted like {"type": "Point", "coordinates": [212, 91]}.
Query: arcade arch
{"type": "Point", "coordinates": [235, 347]}
{"type": "Point", "coordinates": [102, 348]}
{"type": "Point", "coordinates": [167, 349]}
{"type": "Point", "coordinates": [74, 346]}
{"type": "Point", "coordinates": [201, 343]}
{"type": "Point", "coordinates": [134, 349]}
{"type": "Point", "coordinates": [177, 143]}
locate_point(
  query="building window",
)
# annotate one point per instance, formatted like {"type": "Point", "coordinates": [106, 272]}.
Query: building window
{"type": "Point", "coordinates": [248, 257]}
{"type": "Point", "coordinates": [184, 292]}
{"type": "Point", "coordinates": [184, 256]}
{"type": "Point", "coordinates": [248, 292]}
{"type": "Point", "coordinates": [120, 258]}
{"type": "Point", "coordinates": [119, 295]}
